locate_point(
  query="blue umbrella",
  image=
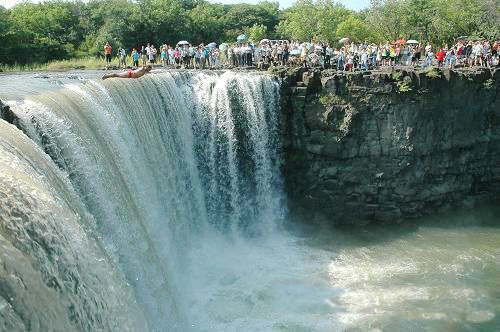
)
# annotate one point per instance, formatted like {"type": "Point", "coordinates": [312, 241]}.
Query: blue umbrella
{"type": "Point", "coordinates": [295, 52]}
{"type": "Point", "coordinates": [212, 45]}
{"type": "Point", "coordinates": [242, 38]}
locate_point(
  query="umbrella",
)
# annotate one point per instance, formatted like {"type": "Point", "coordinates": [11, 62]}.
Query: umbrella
{"type": "Point", "coordinates": [223, 47]}
{"type": "Point", "coordinates": [462, 37]}
{"type": "Point", "coordinates": [295, 52]}
{"type": "Point", "coordinates": [344, 40]}
{"type": "Point", "coordinates": [242, 38]}
{"type": "Point", "coordinates": [305, 45]}
{"type": "Point", "coordinates": [183, 42]}
{"type": "Point", "coordinates": [401, 41]}
{"type": "Point", "coordinates": [212, 45]}
{"type": "Point", "coordinates": [412, 41]}
{"type": "Point", "coordinates": [264, 41]}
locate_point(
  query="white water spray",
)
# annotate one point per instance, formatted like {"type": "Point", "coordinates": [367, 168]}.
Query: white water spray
{"type": "Point", "coordinates": [161, 163]}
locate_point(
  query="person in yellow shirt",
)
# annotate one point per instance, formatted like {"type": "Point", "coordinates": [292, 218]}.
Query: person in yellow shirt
{"type": "Point", "coordinates": [392, 55]}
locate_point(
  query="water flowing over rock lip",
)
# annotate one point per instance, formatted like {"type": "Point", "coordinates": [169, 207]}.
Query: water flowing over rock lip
{"type": "Point", "coordinates": [158, 161]}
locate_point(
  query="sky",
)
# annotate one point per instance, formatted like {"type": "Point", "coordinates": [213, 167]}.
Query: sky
{"type": "Point", "coordinates": [352, 4]}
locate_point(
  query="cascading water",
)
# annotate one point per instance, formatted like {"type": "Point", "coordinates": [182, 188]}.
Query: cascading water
{"type": "Point", "coordinates": [159, 164]}
{"type": "Point", "coordinates": [156, 204]}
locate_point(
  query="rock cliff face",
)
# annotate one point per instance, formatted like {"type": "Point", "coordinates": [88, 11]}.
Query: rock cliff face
{"type": "Point", "coordinates": [384, 146]}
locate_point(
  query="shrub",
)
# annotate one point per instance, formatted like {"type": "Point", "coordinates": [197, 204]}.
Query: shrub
{"type": "Point", "coordinates": [433, 73]}
{"type": "Point", "coordinates": [330, 100]}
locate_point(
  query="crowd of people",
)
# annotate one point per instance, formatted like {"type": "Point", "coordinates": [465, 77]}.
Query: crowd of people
{"type": "Point", "coordinates": [349, 57]}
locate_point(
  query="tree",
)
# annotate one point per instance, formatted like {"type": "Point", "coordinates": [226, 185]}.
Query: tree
{"type": "Point", "coordinates": [387, 18]}
{"type": "Point", "coordinates": [329, 15]}
{"type": "Point", "coordinates": [299, 21]}
{"type": "Point", "coordinates": [356, 29]}
{"type": "Point", "coordinates": [419, 17]}
{"type": "Point", "coordinates": [257, 32]}
{"type": "Point", "coordinates": [239, 18]}
{"type": "Point", "coordinates": [206, 21]}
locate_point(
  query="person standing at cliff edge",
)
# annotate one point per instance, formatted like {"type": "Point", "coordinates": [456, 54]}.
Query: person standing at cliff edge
{"type": "Point", "coordinates": [107, 54]}
{"type": "Point", "coordinates": [130, 73]}
{"type": "Point", "coordinates": [440, 57]}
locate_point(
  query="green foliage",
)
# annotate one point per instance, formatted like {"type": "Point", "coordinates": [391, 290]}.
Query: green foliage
{"type": "Point", "coordinates": [386, 17]}
{"type": "Point", "coordinates": [32, 33]}
{"type": "Point", "coordinates": [308, 20]}
{"type": "Point", "coordinates": [298, 21]}
{"type": "Point", "coordinates": [435, 21]}
{"type": "Point", "coordinates": [433, 73]}
{"type": "Point", "coordinates": [329, 16]}
{"type": "Point", "coordinates": [356, 29]}
{"type": "Point", "coordinates": [397, 75]}
{"type": "Point", "coordinates": [403, 87]}
{"type": "Point", "coordinates": [60, 65]}
{"type": "Point", "coordinates": [330, 100]}
{"type": "Point", "coordinates": [58, 29]}
{"type": "Point", "coordinates": [257, 32]}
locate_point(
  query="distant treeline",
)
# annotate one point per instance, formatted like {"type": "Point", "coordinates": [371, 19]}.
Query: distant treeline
{"type": "Point", "coordinates": [54, 30]}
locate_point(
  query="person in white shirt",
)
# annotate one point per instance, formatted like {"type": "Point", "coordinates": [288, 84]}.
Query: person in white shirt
{"type": "Point", "coordinates": [328, 56]}
{"type": "Point", "coordinates": [257, 54]}
{"type": "Point", "coordinates": [122, 57]}
{"type": "Point", "coordinates": [364, 60]}
{"type": "Point", "coordinates": [151, 54]}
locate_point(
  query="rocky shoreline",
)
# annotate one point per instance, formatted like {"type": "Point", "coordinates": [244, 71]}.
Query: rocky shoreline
{"type": "Point", "coordinates": [389, 145]}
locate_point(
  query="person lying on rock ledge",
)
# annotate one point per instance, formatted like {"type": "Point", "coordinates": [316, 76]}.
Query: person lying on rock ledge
{"type": "Point", "coordinates": [130, 73]}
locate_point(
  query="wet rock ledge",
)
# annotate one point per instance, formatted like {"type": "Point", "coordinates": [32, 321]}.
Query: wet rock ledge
{"type": "Point", "coordinates": [389, 145]}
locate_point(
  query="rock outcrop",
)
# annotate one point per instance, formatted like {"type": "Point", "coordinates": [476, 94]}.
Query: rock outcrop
{"type": "Point", "coordinates": [386, 146]}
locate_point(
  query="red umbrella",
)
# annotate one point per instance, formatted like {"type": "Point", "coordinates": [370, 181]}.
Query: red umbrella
{"type": "Point", "coordinates": [401, 41]}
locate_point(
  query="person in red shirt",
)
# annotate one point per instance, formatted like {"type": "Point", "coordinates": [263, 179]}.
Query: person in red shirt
{"type": "Point", "coordinates": [107, 54]}
{"type": "Point", "coordinates": [440, 57]}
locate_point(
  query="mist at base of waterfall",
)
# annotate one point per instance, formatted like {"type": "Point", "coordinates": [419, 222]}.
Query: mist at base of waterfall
{"type": "Point", "coordinates": [435, 274]}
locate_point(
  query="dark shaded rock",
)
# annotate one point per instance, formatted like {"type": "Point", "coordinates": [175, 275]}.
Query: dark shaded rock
{"type": "Point", "coordinates": [7, 114]}
{"type": "Point", "coordinates": [388, 145]}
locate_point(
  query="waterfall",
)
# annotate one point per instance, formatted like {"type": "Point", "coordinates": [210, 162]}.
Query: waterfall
{"type": "Point", "coordinates": [120, 187]}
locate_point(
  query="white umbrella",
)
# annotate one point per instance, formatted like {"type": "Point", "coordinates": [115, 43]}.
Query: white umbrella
{"type": "Point", "coordinates": [183, 42]}
{"type": "Point", "coordinates": [305, 45]}
{"type": "Point", "coordinates": [263, 41]}
{"type": "Point", "coordinates": [344, 40]}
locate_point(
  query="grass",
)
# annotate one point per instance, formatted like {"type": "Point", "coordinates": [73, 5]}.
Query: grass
{"type": "Point", "coordinates": [403, 87]}
{"type": "Point", "coordinates": [330, 100]}
{"type": "Point", "coordinates": [397, 75]}
{"type": "Point", "coordinates": [433, 73]}
{"type": "Point", "coordinates": [60, 65]}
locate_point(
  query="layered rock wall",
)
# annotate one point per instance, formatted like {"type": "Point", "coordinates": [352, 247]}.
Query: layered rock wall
{"type": "Point", "coordinates": [384, 146]}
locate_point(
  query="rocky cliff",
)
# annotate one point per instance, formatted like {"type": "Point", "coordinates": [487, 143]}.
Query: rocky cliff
{"type": "Point", "coordinates": [384, 146]}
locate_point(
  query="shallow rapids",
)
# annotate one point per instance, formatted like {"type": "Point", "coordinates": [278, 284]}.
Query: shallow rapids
{"type": "Point", "coordinates": [158, 204]}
